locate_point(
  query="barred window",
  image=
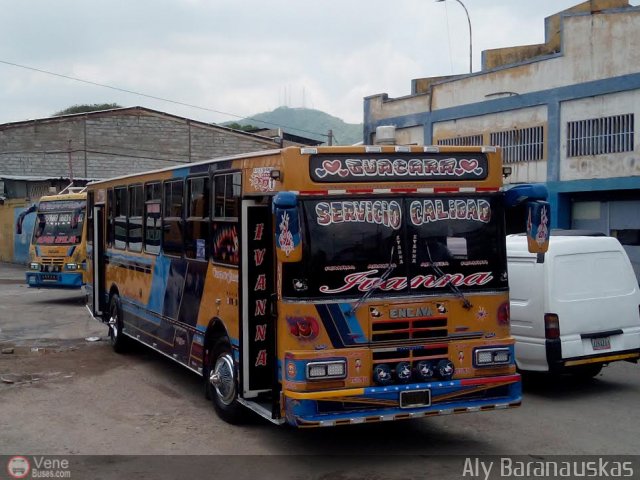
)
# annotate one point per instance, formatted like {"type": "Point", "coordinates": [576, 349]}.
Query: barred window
{"type": "Point", "coordinates": [520, 144]}
{"type": "Point", "coordinates": [596, 136]}
{"type": "Point", "coordinates": [466, 141]}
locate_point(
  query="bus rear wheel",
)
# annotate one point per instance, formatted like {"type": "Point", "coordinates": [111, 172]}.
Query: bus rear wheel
{"type": "Point", "coordinates": [116, 335]}
{"type": "Point", "coordinates": [221, 383]}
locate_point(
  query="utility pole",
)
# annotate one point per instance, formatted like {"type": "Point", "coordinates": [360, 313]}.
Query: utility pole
{"type": "Point", "coordinates": [330, 135]}
{"type": "Point", "coordinates": [70, 164]}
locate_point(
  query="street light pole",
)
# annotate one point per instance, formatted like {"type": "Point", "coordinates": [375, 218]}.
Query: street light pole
{"type": "Point", "coordinates": [470, 40]}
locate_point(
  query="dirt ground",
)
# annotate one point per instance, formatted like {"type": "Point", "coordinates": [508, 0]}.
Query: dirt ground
{"type": "Point", "coordinates": [61, 394]}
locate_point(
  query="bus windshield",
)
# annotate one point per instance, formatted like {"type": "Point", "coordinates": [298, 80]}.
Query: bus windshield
{"type": "Point", "coordinates": [407, 246]}
{"type": "Point", "coordinates": [59, 223]}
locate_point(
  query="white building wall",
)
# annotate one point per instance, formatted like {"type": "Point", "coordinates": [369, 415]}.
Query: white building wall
{"type": "Point", "coordinates": [496, 122]}
{"type": "Point", "coordinates": [610, 165]}
{"type": "Point", "coordinates": [588, 39]}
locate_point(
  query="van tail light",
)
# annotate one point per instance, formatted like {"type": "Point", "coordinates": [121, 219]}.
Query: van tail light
{"type": "Point", "coordinates": [503, 314]}
{"type": "Point", "coordinates": [551, 326]}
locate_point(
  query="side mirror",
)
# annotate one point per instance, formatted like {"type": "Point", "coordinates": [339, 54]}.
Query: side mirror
{"type": "Point", "coordinates": [288, 238]}
{"type": "Point", "coordinates": [75, 218]}
{"type": "Point", "coordinates": [21, 216]}
{"type": "Point", "coordinates": [538, 226]}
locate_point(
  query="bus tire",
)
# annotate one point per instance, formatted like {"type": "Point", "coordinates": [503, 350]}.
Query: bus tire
{"type": "Point", "coordinates": [116, 335]}
{"type": "Point", "coordinates": [221, 382]}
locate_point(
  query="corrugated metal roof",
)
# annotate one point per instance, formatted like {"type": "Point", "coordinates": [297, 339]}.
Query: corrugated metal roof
{"type": "Point", "coordinates": [36, 178]}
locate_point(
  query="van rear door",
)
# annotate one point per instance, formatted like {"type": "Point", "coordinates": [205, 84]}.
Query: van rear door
{"type": "Point", "coordinates": [596, 297]}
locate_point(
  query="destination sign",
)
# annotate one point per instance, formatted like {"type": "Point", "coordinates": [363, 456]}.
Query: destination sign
{"type": "Point", "coordinates": [396, 167]}
{"type": "Point", "coordinates": [62, 205]}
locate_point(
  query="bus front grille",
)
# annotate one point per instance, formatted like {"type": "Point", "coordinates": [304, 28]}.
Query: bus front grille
{"type": "Point", "coordinates": [53, 261]}
{"type": "Point", "coordinates": [410, 354]}
{"type": "Point", "coordinates": [403, 329]}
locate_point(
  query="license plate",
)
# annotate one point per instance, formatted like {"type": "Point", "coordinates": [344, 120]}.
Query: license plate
{"type": "Point", "coordinates": [603, 343]}
{"type": "Point", "coordinates": [415, 398]}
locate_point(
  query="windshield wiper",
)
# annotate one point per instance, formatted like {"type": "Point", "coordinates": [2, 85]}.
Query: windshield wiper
{"type": "Point", "coordinates": [465, 302]}
{"type": "Point", "coordinates": [383, 278]}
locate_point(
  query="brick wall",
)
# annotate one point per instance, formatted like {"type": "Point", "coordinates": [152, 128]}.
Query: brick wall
{"type": "Point", "coordinates": [113, 143]}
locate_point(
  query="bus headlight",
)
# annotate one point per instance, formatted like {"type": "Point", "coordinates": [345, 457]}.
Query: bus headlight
{"type": "Point", "coordinates": [34, 266]}
{"type": "Point", "coordinates": [445, 369]}
{"type": "Point", "coordinates": [382, 374]}
{"type": "Point", "coordinates": [71, 266]}
{"type": "Point", "coordinates": [485, 357]}
{"type": "Point", "coordinates": [328, 369]}
{"type": "Point", "coordinates": [425, 370]}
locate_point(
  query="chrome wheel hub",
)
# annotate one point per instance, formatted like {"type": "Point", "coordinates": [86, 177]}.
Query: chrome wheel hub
{"type": "Point", "coordinates": [113, 325]}
{"type": "Point", "coordinates": [222, 379]}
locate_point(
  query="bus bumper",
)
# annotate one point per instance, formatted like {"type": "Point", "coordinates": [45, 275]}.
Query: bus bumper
{"type": "Point", "coordinates": [377, 404]}
{"type": "Point", "coordinates": [54, 280]}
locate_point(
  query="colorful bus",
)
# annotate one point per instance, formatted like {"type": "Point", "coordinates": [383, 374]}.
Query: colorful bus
{"type": "Point", "coordinates": [57, 253]}
{"type": "Point", "coordinates": [318, 286]}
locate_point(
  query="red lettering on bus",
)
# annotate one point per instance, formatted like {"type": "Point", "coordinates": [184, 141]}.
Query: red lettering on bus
{"type": "Point", "coordinates": [259, 231]}
{"type": "Point", "coordinates": [261, 333]}
{"type": "Point", "coordinates": [261, 308]}
{"type": "Point", "coordinates": [258, 256]}
{"type": "Point", "coordinates": [261, 360]}
{"type": "Point", "coordinates": [261, 283]}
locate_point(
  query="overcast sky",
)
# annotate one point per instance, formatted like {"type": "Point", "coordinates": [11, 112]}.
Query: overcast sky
{"type": "Point", "coordinates": [244, 57]}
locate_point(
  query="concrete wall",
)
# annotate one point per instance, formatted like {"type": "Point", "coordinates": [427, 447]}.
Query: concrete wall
{"type": "Point", "coordinates": [611, 165]}
{"type": "Point", "coordinates": [110, 143]}
{"type": "Point", "coordinates": [495, 122]}
{"type": "Point", "coordinates": [14, 248]}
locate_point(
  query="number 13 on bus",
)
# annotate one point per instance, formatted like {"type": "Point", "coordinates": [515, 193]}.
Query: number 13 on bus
{"type": "Point", "coordinates": [319, 286]}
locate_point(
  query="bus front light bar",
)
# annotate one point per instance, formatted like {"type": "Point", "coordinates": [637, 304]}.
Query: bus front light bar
{"type": "Point", "coordinates": [486, 357]}
{"type": "Point", "coordinates": [324, 370]}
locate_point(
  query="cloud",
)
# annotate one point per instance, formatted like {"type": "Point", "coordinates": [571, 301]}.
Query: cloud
{"type": "Point", "coordinates": [245, 57]}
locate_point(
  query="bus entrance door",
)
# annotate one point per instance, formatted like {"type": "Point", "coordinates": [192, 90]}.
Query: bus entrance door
{"type": "Point", "coordinates": [96, 230]}
{"type": "Point", "coordinates": [258, 333]}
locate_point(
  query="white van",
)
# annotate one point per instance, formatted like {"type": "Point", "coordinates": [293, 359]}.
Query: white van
{"type": "Point", "coordinates": [577, 310]}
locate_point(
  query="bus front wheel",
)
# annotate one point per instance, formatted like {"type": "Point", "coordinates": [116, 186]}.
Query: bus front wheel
{"type": "Point", "coordinates": [222, 384]}
{"type": "Point", "coordinates": [116, 336]}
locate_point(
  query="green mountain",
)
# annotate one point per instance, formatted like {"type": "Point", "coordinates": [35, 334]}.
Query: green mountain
{"type": "Point", "coordinates": [306, 122]}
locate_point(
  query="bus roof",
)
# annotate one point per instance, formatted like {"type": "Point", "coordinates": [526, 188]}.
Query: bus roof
{"type": "Point", "coordinates": [346, 149]}
{"type": "Point", "coordinates": [63, 196]}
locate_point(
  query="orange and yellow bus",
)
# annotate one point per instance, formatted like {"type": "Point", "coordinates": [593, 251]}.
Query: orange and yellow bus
{"type": "Point", "coordinates": [318, 286]}
{"type": "Point", "coordinates": [57, 254]}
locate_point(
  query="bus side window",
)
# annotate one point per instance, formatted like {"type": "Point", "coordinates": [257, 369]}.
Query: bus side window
{"type": "Point", "coordinates": [152, 218]}
{"type": "Point", "coordinates": [172, 221]}
{"type": "Point", "coordinates": [110, 218]}
{"type": "Point", "coordinates": [135, 218]}
{"type": "Point", "coordinates": [227, 191]}
{"type": "Point", "coordinates": [197, 226]}
{"type": "Point", "coordinates": [89, 220]}
{"type": "Point", "coordinates": [121, 215]}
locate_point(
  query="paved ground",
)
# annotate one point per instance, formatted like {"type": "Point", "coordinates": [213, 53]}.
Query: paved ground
{"type": "Point", "coordinates": [65, 395]}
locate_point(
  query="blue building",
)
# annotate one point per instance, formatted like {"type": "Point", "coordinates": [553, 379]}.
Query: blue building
{"type": "Point", "coordinates": [562, 111]}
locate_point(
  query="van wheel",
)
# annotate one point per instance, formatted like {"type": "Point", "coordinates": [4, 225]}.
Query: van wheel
{"type": "Point", "coordinates": [586, 371]}
{"type": "Point", "coordinates": [221, 383]}
{"type": "Point", "coordinates": [116, 335]}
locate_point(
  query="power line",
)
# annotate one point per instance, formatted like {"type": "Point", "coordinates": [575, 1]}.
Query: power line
{"type": "Point", "coordinates": [175, 102]}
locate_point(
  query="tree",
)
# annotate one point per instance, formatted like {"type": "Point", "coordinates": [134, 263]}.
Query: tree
{"type": "Point", "coordinates": [86, 108]}
{"type": "Point", "coordinates": [245, 128]}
